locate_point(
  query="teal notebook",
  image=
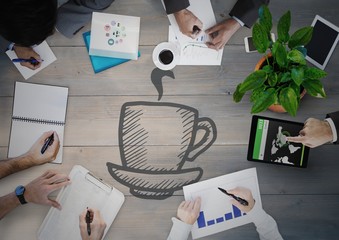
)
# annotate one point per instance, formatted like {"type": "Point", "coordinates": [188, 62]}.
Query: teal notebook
{"type": "Point", "coordinates": [100, 64]}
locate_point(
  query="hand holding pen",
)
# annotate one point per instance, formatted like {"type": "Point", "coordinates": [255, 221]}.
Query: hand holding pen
{"type": "Point", "coordinates": [242, 198]}
{"type": "Point", "coordinates": [92, 226]}
{"type": "Point", "coordinates": [51, 151]}
{"type": "Point", "coordinates": [27, 57]}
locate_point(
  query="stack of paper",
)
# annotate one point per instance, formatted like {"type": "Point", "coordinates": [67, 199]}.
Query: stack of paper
{"type": "Point", "coordinates": [115, 36]}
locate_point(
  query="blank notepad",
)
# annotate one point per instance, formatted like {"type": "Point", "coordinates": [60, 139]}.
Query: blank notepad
{"type": "Point", "coordinates": [36, 109]}
{"type": "Point", "coordinates": [85, 190]}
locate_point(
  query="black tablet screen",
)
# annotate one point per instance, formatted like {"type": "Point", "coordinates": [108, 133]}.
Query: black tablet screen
{"type": "Point", "coordinates": [321, 43]}
{"type": "Point", "coordinates": [270, 142]}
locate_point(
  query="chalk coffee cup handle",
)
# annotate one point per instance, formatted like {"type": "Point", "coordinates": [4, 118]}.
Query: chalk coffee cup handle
{"type": "Point", "coordinates": [210, 135]}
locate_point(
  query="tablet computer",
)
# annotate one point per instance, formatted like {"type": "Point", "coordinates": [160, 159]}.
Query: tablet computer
{"type": "Point", "coordinates": [324, 40]}
{"type": "Point", "coordinates": [268, 142]}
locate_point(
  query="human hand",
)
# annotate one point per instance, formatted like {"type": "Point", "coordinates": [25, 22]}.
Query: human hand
{"type": "Point", "coordinates": [97, 225]}
{"type": "Point", "coordinates": [221, 33]}
{"type": "Point", "coordinates": [38, 190]}
{"type": "Point", "coordinates": [188, 211]}
{"type": "Point", "coordinates": [186, 21]}
{"type": "Point", "coordinates": [244, 193]}
{"type": "Point", "coordinates": [34, 155]}
{"type": "Point", "coordinates": [27, 53]}
{"type": "Point", "coordinates": [315, 133]}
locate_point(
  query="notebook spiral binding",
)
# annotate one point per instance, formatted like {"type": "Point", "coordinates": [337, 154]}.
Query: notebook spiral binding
{"type": "Point", "coordinates": [40, 121]}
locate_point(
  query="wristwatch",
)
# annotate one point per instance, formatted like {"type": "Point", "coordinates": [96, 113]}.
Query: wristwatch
{"type": "Point", "coordinates": [19, 192]}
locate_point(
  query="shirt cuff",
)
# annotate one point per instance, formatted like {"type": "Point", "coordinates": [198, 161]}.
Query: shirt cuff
{"type": "Point", "coordinates": [11, 46]}
{"type": "Point", "coordinates": [334, 130]}
{"type": "Point", "coordinates": [239, 21]}
{"type": "Point", "coordinates": [180, 230]}
{"type": "Point", "coordinates": [257, 214]}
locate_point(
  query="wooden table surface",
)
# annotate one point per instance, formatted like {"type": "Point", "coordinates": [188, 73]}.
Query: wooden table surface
{"type": "Point", "coordinates": [304, 202]}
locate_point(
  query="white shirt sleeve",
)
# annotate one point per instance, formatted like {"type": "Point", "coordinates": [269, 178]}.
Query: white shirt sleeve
{"type": "Point", "coordinates": [180, 230]}
{"type": "Point", "coordinates": [266, 226]}
{"type": "Point", "coordinates": [334, 130]}
{"type": "Point", "coordinates": [239, 21]}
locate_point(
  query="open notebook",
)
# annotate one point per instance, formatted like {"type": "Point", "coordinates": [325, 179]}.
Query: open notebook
{"type": "Point", "coordinates": [36, 109]}
{"type": "Point", "coordinates": [85, 190]}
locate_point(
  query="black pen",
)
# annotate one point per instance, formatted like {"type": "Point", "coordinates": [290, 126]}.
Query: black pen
{"type": "Point", "coordinates": [196, 29]}
{"type": "Point", "coordinates": [47, 143]}
{"type": "Point", "coordinates": [88, 221]}
{"type": "Point", "coordinates": [239, 199]}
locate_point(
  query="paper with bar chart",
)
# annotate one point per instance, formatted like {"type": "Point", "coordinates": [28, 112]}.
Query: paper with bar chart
{"type": "Point", "coordinates": [217, 213]}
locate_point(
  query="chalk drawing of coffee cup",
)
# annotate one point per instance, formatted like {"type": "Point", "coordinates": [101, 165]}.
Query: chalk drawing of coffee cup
{"type": "Point", "coordinates": [155, 141]}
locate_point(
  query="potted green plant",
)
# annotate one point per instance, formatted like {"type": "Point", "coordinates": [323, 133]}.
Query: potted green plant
{"type": "Point", "coordinates": [284, 75]}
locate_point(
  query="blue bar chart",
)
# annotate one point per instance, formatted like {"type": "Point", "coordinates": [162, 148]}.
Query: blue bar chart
{"type": "Point", "coordinates": [202, 222]}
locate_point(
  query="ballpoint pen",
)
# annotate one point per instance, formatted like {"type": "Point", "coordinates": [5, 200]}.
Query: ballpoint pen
{"type": "Point", "coordinates": [239, 199]}
{"type": "Point", "coordinates": [47, 143]}
{"type": "Point", "coordinates": [31, 60]}
{"type": "Point", "coordinates": [88, 220]}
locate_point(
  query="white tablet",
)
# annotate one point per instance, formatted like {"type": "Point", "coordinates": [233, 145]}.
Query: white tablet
{"type": "Point", "coordinates": [324, 40]}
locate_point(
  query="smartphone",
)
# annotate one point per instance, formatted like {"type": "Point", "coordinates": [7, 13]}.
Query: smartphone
{"type": "Point", "coordinates": [249, 46]}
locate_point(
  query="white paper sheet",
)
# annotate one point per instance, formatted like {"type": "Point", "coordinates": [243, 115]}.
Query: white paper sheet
{"type": "Point", "coordinates": [39, 102]}
{"type": "Point", "coordinates": [45, 53]}
{"type": "Point", "coordinates": [217, 213]}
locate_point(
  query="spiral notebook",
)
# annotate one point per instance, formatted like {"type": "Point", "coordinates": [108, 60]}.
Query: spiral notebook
{"type": "Point", "coordinates": [36, 109]}
{"type": "Point", "coordinates": [85, 190]}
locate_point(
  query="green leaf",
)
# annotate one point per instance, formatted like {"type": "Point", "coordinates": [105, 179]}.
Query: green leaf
{"type": "Point", "coordinates": [297, 74]}
{"type": "Point", "coordinates": [266, 99]}
{"type": "Point", "coordinates": [284, 27]}
{"type": "Point", "coordinates": [260, 38]}
{"type": "Point", "coordinates": [265, 18]}
{"type": "Point", "coordinates": [302, 50]}
{"type": "Point", "coordinates": [301, 37]}
{"type": "Point", "coordinates": [296, 89]}
{"type": "Point", "coordinates": [268, 69]}
{"type": "Point", "coordinates": [280, 54]}
{"type": "Point", "coordinates": [296, 57]}
{"type": "Point", "coordinates": [288, 99]}
{"type": "Point", "coordinates": [314, 87]}
{"type": "Point", "coordinates": [286, 77]}
{"type": "Point", "coordinates": [272, 79]}
{"type": "Point", "coordinates": [237, 95]}
{"type": "Point", "coordinates": [254, 80]}
{"type": "Point", "coordinates": [314, 73]}
{"type": "Point", "coordinates": [256, 93]}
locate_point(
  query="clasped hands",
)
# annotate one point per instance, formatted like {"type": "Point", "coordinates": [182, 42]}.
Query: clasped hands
{"type": "Point", "coordinates": [219, 34]}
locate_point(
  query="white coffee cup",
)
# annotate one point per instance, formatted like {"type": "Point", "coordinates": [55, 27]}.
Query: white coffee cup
{"type": "Point", "coordinates": [166, 55]}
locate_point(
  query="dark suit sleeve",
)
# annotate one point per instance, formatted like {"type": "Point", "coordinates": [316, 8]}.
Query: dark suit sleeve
{"type": "Point", "coordinates": [335, 118]}
{"type": "Point", "coordinates": [173, 6]}
{"type": "Point", "coordinates": [247, 10]}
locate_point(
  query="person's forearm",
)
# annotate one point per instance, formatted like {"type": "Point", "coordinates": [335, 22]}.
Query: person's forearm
{"type": "Point", "coordinates": [8, 203]}
{"type": "Point", "coordinates": [13, 165]}
{"type": "Point", "coordinates": [335, 118]}
{"type": "Point", "coordinates": [247, 10]}
{"type": "Point", "coordinates": [173, 6]}
{"type": "Point", "coordinates": [180, 230]}
{"type": "Point", "coordinates": [267, 227]}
